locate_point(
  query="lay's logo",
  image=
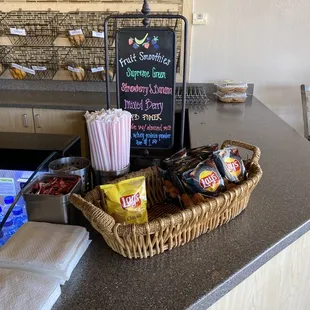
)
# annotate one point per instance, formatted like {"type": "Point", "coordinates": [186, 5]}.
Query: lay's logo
{"type": "Point", "coordinates": [233, 166]}
{"type": "Point", "coordinates": [209, 181]}
{"type": "Point", "coordinates": [131, 201]}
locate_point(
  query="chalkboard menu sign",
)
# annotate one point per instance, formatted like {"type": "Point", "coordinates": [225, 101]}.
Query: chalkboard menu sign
{"type": "Point", "coordinates": [145, 67]}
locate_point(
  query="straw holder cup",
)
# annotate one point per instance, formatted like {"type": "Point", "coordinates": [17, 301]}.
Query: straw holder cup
{"type": "Point", "coordinates": [102, 177]}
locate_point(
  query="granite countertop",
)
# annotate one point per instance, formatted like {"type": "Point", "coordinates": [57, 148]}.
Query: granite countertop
{"type": "Point", "coordinates": [199, 273]}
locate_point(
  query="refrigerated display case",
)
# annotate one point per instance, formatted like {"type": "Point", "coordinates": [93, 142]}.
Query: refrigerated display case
{"type": "Point", "coordinates": [20, 155]}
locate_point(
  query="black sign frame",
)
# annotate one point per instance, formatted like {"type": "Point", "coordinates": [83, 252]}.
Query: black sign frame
{"type": "Point", "coordinates": [173, 84]}
{"type": "Point", "coordinates": [146, 17]}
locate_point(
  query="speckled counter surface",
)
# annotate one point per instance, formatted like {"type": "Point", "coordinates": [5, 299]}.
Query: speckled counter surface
{"type": "Point", "coordinates": [198, 274]}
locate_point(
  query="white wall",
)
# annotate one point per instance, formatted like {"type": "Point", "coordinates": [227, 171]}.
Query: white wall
{"type": "Point", "coordinates": [266, 42]}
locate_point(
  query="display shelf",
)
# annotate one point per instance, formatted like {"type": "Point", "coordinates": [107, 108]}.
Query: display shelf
{"type": "Point", "coordinates": [30, 28]}
{"type": "Point", "coordinates": [91, 60]}
{"type": "Point", "coordinates": [91, 25]}
{"type": "Point", "coordinates": [42, 60]}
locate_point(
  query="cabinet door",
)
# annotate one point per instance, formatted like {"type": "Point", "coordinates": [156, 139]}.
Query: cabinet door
{"type": "Point", "coordinates": [16, 120]}
{"type": "Point", "coordinates": [61, 122]}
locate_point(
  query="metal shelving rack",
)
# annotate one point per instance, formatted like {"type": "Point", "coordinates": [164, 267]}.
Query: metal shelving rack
{"type": "Point", "coordinates": [40, 27]}
{"type": "Point", "coordinates": [88, 58]}
{"type": "Point", "coordinates": [88, 21]}
{"type": "Point", "coordinates": [194, 95]}
{"type": "Point", "coordinates": [34, 56]}
{"type": "Point", "coordinates": [2, 15]}
{"type": "Point", "coordinates": [3, 52]}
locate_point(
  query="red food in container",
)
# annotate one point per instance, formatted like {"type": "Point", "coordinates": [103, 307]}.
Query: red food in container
{"type": "Point", "coordinates": [54, 186]}
{"type": "Point", "coordinates": [47, 198]}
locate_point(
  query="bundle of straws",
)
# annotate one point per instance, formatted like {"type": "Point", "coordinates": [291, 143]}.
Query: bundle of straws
{"type": "Point", "coordinates": [109, 133]}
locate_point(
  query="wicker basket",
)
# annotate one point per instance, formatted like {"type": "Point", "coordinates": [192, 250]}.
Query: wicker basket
{"type": "Point", "coordinates": [168, 226]}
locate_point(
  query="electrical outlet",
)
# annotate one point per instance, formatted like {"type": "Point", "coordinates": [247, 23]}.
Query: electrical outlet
{"type": "Point", "coordinates": [199, 18]}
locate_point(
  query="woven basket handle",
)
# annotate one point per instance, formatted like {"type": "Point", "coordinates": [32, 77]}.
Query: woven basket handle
{"type": "Point", "coordinates": [97, 217]}
{"type": "Point", "coordinates": [256, 151]}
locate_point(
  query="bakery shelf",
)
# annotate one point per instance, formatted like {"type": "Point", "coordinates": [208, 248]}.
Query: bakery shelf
{"type": "Point", "coordinates": [43, 60]}
{"type": "Point", "coordinates": [89, 58]}
{"type": "Point", "coordinates": [89, 22]}
{"type": "Point", "coordinates": [34, 28]}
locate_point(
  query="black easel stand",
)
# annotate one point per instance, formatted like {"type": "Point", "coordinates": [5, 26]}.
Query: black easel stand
{"type": "Point", "coordinates": [144, 158]}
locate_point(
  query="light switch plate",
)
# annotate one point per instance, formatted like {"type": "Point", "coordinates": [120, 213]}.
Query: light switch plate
{"type": "Point", "coordinates": [199, 18]}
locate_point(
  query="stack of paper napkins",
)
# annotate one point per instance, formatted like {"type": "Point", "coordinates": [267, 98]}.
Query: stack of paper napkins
{"type": "Point", "coordinates": [49, 249]}
{"type": "Point", "coordinates": [27, 290]}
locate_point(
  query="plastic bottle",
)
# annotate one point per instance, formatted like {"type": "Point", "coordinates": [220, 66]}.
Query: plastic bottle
{"type": "Point", "coordinates": [8, 200]}
{"type": "Point", "coordinates": [20, 217]}
{"type": "Point", "coordinates": [8, 230]}
{"type": "Point", "coordinates": [1, 214]}
{"type": "Point", "coordinates": [2, 241]}
{"type": "Point", "coordinates": [22, 203]}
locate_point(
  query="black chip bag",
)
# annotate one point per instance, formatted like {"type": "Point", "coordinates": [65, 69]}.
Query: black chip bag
{"type": "Point", "coordinates": [230, 164]}
{"type": "Point", "coordinates": [186, 164]}
{"type": "Point", "coordinates": [204, 152]}
{"type": "Point", "coordinates": [171, 191]}
{"type": "Point", "coordinates": [172, 161]}
{"type": "Point", "coordinates": [185, 199]}
{"type": "Point", "coordinates": [204, 179]}
{"type": "Point", "coordinates": [174, 189]}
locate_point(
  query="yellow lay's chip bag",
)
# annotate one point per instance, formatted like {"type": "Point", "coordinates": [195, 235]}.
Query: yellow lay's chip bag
{"type": "Point", "coordinates": [126, 201]}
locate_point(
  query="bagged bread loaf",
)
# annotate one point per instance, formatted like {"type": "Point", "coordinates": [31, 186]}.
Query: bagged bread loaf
{"type": "Point", "coordinates": [76, 37]}
{"type": "Point", "coordinates": [229, 86]}
{"type": "Point", "coordinates": [77, 72]}
{"type": "Point", "coordinates": [231, 97]}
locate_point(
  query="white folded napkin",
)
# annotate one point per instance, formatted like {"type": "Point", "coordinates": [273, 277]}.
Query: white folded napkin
{"type": "Point", "coordinates": [27, 290]}
{"type": "Point", "coordinates": [50, 249]}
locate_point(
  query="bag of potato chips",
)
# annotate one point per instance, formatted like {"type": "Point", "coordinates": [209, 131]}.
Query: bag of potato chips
{"type": "Point", "coordinates": [126, 201]}
{"type": "Point", "coordinates": [205, 179]}
{"type": "Point", "coordinates": [230, 164]}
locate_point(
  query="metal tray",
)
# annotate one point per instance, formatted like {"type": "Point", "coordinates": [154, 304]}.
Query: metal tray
{"type": "Point", "coordinates": [53, 198]}
{"type": "Point", "coordinates": [50, 208]}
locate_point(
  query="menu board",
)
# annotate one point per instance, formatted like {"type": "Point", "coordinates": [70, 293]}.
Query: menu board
{"type": "Point", "coordinates": [145, 64]}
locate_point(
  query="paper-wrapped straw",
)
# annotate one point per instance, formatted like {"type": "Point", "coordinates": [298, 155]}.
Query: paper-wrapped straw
{"type": "Point", "coordinates": [109, 133]}
{"type": "Point", "coordinates": [93, 155]}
